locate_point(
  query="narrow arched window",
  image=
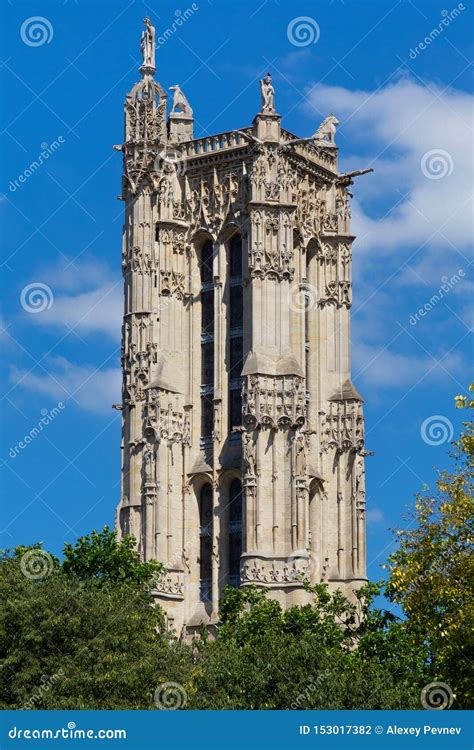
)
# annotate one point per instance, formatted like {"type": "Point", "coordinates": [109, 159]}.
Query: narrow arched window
{"type": "Point", "coordinates": [207, 342]}
{"type": "Point", "coordinates": [235, 531]}
{"type": "Point", "coordinates": [235, 331]}
{"type": "Point", "coordinates": [205, 543]}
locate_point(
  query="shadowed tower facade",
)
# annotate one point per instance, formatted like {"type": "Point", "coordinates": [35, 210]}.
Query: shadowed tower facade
{"type": "Point", "coordinates": [243, 436]}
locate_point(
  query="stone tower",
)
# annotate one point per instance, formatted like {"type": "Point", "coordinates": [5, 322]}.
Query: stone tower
{"type": "Point", "coordinates": [243, 436]}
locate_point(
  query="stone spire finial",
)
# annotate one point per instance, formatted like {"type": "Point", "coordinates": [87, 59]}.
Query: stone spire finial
{"type": "Point", "coordinates": [147, 44]}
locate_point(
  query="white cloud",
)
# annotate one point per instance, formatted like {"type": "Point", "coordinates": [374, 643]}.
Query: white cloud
{"type": "Point", "coordinates": [94, 390]}
{"type": "Point", "coordinates": [392, 129]}
{"type": "Point", "coordinates": [374, 515]}
{"type": "Point", "coordinates": [86, 297]}
{"type": "Point", "coordinates": [380, 366]}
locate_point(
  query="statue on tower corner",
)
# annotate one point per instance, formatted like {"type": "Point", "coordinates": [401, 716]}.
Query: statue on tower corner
{"type": "Point", "coordinates": [180, 104]}
{"type": "Point", "coordinates": [268, 94]}
{"type": "Point", "coordinates": [147, 44]}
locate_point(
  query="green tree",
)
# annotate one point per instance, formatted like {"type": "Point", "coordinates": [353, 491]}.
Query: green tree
{"type": "Point", "coordinates": [319, 656]}
{"type": "Point", "coordinates": [99, 556]}
{"type": "Point", "coordinates": [432, 571]}
{"type": "Point", "coordinates": [82, 634]}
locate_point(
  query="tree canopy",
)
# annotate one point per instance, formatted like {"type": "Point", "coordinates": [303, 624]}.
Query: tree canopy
{"type": "Point", "coordinates": [83, 632]}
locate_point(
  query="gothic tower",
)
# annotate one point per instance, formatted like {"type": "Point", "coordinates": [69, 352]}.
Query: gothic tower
{"type": "Point", "coordinates": [243, 436]}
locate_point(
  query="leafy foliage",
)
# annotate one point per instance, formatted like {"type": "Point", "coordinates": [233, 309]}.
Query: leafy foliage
{"type": "Point", "coordinates": [85, 634]}
{"type": "Point", "coordinates": [432, 571]}
{"type": "Point", "coordinates": [101, 557]}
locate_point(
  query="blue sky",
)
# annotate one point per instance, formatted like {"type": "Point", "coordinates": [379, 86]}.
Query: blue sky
{"type": "Point", "coordinates": [405, 109]}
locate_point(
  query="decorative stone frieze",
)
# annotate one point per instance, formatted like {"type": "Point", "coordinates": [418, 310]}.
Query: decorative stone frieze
{"type": "Point", "coordinates": [274, 571]}
{"type": "Point", "coordinates": [274, 401]}
{"type": "Point", "coordinates": [342, 426]}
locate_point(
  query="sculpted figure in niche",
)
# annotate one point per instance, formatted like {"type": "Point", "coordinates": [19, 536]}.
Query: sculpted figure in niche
{"type": "Point", "coordinates": [360, 481]}
{"type": "Point", "coordinates": [300, 455]}
{"type": "Point", "coordinates": [148, 44]}
{"type": "Point", "coordinates": [149, 464]}
{"type": "Point", "coordinates": [268, 94]}
{"type": "Point", "coordinates": [248, 450]}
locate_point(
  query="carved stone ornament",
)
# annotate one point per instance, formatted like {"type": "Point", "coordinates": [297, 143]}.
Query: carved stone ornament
{"type": "Point", "coordinates": [171, 584]}
{"type": "Point", "coordinates": [276, 402]}
{"type": "Point", "coordinates": [164, 419]}
{"type": "Point", "coordinates": [276, 571]}
{"type": "Point", "coordinates": [342, 427]}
